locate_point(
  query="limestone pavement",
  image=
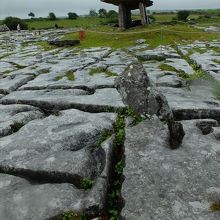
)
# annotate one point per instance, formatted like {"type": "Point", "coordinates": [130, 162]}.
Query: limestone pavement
{"type": "Point", "coordinates": [55, 106]}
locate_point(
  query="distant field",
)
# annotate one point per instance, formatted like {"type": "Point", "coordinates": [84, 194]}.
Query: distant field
{"type": "Point", "coordinates": [66, 23]}
{"type": "Point", "coordinates": [155, 35]}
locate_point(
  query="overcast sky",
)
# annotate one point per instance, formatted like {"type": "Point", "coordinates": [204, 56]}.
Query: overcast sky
{"type": "Point", "coordinates": [21, 8]}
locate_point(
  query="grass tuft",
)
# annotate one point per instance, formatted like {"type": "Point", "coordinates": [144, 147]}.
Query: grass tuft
{"type": "Point", "coordinates": [86, 183]}
{"type": "Point", "coordinates": [166, 67]}
{"type": "Point", "coordinates": [71, 215]}
{"type": "Point", "coordinates": [70, 75]}
{"type": "Point", "coordinates": [57, 78]}
{"type": "Point", "coordinates": [215, 207]}
{"type": "Point", "coordinates": [99, 70]}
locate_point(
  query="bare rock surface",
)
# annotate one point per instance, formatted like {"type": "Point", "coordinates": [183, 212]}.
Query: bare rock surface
{"type": "Point", "coordinates": [101, 100]}
{"type": "Point", "coordinates": [134, 83]}
{"type": "Point", "coordinates": [60, 123]}
{"type": "Point", "coordinates": [12, 117]}
{"type": "Point", "coordinates": [167, 184]}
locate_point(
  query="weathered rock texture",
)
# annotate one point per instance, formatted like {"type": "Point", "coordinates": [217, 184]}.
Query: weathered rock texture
{"type": "Point", "coordinates": [165, 184]}
{"type": "Point", "coordinates": [140, 93]}
{"type": "Point", "coordinates": [58, 130]}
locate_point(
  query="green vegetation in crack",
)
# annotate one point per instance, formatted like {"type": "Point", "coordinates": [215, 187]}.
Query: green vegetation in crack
{"type": "Point", "coordinates": [70, 75]}
{"type": "Point", "coordinates": [137, 118]}
{"type": "Point", "coordinates": [99, 70]}
{"type": "Point", "coordinates": [86, 183]}
{"type": "Point", "coordinates": [94, 71]}
{"type": "Point", "coordinates": [217, 61]}
{"type": "Point", "coordinates": [18, 66]}
{"type": "Point", "coordinates": [57, 78]}
{"type": "Point", "coordinates": [119, 129]}
{"type": "Point", "coordinates": [215, 207]}
{"type": "Point", "coordinates": [7, 71]}
{"type": "Point", "coordinates": [45, 46]}
{"type": "Point", "coordinates": [43, 71]}
{"type": "Point", "coordinates": [114, 201]}
{"type": "Point", "coordinates": [200, 74]}
{"type": "Point", "coordinates": [151, 58]}
{"type": "Point", "coordinates": [215, 49]}
{"type": "Point", "coordinates": [104, 136]}
{"type": "Point", "coordinates": [199, 50]}
{"type": "Point", "coordinates": [16, 126]}
{"type": "Point", "coordinates": [166, 67]}
{"type": "Point", "coordinates": [71, 215]}
{"type": "Point", "coordinates": [56, 113]}
{"type": "Point", "coordinates": [119, 167]}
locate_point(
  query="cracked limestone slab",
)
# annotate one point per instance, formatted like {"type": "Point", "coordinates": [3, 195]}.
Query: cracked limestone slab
{"type": "Point", "coordinates": [10, 115]}
{"type": "Point", "coordinates": [119, 57]}
{"type": "Point", "coordinates": [206, 60]}
{"type": "Point", "coordinates": [57, 148]}
{"type": "Point", "coordinates": [6, 67]}
{"type": "Point", "coordinates": [24, 200]}
{"type": "Point", "coordinates": [82, 79]}
{"type": "Point", "coordinates": [101, 100]}
{"type": "Point", "coordinates": [169, 81]}
{"type": "Point", "coordinates": [159, 53]}
{"type": "Point", "coordinates": [180, 65]}
{"type": "Point", "coordinates": [198, 102]}
{"type": "Point", "coordinates": [11, 83]}
{"type": "Point", "coordinates": [170, 184]}
{"type": "Point", "coordinates": [96, 53]}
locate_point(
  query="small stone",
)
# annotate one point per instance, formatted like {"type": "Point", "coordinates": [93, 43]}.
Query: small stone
{"type": "Point", "coordinates": [176, 134]}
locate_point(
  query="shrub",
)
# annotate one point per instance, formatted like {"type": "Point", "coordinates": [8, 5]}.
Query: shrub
{"type": "Point", "coordinates": [52, 16]}
{"type": "Point", "coordinates": [183, 15]}
{"type": "Point", "coordinates": [93, 13]}
{"type": "Point", "coordinates": [12, 23]}
{"type": "Point", "coordinates": [112, 17]}
{"type": "Point", "coordinates": [102, 13]}
{"type": "Point", "coordinates": [72, 15]}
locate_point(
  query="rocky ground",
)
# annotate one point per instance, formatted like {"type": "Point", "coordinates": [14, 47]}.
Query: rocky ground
{"type": "Point", "coordinates": [63, 119]}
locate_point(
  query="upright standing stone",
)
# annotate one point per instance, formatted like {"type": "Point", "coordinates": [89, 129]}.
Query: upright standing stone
{"type": "Point", "coordinates": [124, 16]}
{"type": "Point", "coordinates": [125, 7]}
{"type": "Point", "coordinates": [143, 13]}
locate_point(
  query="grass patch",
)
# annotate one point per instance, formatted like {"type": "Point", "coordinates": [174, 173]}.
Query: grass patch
{"type": "Point", "coordinates": [116, 38]}
{"type": "Point", "coordinates": [70, 75]}
{"type": "Point", "coordinates": [104, 136]}
{"type": "Point", "coordinates": [109, 73]}
{"type": "Point", "coordinates": [83, 22]}
{"type": "Point", "coordinates": [217, 61]}
{"type": "Point", "coordinates": [43, 71]}
{"type": "Point", "coordinates": [57, 78]}
{"type": "Point", "coordinates": [215, 207]}
{"type": "Point", "coordinates": [199, 50]}
{"type": "Point", "coordinates": [70, 215]}
{"type": "Point", "coordinates": [7, 71]}
{"type": "Point", "coordinates": [56, 113]}
{"type": "Point", "coordinates": [216, 49]}
{"type": "Point", "coordinates": [99, 70]}
{"type": "Point", "coordinates": [119, 167]}
{"type": "Point", "coordinates": [86, 183]}
{"type": "Point", "coordinates": [166, 67]}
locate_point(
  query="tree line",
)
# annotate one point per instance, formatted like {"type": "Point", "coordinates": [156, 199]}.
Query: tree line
{"type": "Point", "coordinates": [102, 13]}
